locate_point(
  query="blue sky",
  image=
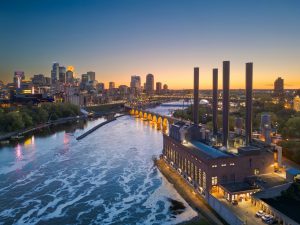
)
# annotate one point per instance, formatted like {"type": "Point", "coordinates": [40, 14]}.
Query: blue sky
{"type": "Point", "coordinates": [120, 38]}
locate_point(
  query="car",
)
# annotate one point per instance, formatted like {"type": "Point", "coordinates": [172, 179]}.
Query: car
{"type": "Point", "coordinates": [234, 202]}
{"type": "Point", "coordinates": [266, 218]}
{"type": "Point", "coordinates": [272, 221]}
{"type": "Point", "coordinates": [259, 213]}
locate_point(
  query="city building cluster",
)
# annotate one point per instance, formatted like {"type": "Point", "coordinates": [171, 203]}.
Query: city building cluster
{"type": "Point", "coordinates": [63, 86]}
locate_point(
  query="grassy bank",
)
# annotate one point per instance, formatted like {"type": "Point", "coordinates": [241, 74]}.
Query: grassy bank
{"type": "Point", "coordinates": [206, 215]}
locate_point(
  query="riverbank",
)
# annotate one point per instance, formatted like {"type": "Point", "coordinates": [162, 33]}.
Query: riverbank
{"type": "Point", "coordinates": [22, 132]}
{"type": "Point", "coordinates": [206, 214]}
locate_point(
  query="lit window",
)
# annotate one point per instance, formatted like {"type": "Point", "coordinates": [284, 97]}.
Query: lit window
{"type": "Point", "coordinates": [214, 180]}
{"type": "Point", "coordinates": [231, 164]}
{"type": "Point", "coordinates": [223, 164]}
{"type": "Point", "coordinates": [214, 166]}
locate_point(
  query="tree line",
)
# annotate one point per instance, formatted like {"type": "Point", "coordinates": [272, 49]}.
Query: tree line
{"type": "Point", "coordinates": [13, 119]}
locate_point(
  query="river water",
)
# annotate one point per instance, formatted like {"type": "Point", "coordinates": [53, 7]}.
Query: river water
{"type": "Point", "coordinates": [106, 178]}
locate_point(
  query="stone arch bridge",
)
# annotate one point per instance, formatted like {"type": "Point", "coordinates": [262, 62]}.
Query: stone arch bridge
{"type": "Point", "coordinates": [161, 122]}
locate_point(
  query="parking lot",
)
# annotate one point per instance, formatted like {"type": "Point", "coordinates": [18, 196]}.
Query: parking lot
{"type": "Point", "coordinates": [244, 210]}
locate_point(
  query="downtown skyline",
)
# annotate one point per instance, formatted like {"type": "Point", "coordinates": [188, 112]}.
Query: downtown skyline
{"type": "Point", "coordinates": [118, 40]}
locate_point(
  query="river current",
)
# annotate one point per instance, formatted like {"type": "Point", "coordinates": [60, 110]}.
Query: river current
{"type": "Point", "coordinates": [106, 178]}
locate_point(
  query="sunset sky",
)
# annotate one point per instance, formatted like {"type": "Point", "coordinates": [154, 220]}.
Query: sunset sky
{"type": "Point", "coordinates": [120, 38]}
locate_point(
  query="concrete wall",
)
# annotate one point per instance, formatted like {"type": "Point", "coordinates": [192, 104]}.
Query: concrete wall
{"type": "Point", "coordinates": [223, 211]}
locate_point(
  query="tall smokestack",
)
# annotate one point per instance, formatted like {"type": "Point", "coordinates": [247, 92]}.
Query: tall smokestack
{"type": "Point", "coordinates": [226, 74]}
{"type": "Point", "coordinates": [196, 96]}
{"type": "Point", "coordinates": [249, 84]}
{"type": "Point", "coordinates": [215, 101]}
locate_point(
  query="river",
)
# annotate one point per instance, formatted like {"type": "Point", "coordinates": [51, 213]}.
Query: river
{"type": "Point", "coordinates": [106, 178]}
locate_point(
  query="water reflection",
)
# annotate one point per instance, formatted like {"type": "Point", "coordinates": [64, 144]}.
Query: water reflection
{"type": "Point", "coordinates": [18, 152]}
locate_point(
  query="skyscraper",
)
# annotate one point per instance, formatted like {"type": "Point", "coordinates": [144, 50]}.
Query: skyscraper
{"type": "Point", "coordinates": [69, 76]}
{"type": "Point", "coordinates": [62, 74]}
{"type": "Point", "coordinates": [158, 87]}
{"type": "Point", "coordinates": [279, 86]}
{"type": "Point", "coordinates": [100, 87]}
{"type": "Point", "coordinates": [54, 73]}
{"type": "Point", "coordinates": [149, 84]}
{"type": "Point", "coordinates": [135, 84]}
{"type": "Point", "coordinates": [84, 78]}
{"type": "Point", "coordinates": [111, 85]}
{"type": "Point", "coordinates": [91, 75]}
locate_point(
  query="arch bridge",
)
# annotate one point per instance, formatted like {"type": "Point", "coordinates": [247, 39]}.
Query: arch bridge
{"type": "Point", "coordinates": [161, 122]}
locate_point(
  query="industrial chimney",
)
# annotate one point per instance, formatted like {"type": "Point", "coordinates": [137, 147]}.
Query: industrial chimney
{"type": "Point", "coordinates": [226, 74]}
{"type": "Point", "coordinates": [249, 84]}
{"type": "Point", "coordinates": [196, 96]}
{"type": "Point", "coordinates": [215, 101]}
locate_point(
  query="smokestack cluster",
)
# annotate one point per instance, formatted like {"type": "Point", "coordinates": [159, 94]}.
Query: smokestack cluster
{"type": "Point", "coordinates": [249, 84]}
{"type": "Point", "coordinates": [225, 102]}
{"type": "Point", "coordinates": [215, 101]}
{"type": "Point", "coordinates": [196, 96]}
{"type": "Point", "coordinates": [226, 79]}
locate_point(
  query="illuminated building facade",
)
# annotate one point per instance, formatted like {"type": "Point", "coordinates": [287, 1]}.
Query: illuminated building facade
{"type": "Point", "coordinates": [210, 166]}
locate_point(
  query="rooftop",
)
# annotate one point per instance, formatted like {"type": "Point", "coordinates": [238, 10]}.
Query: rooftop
{"type": "Point", "coordinates": [206, 150]}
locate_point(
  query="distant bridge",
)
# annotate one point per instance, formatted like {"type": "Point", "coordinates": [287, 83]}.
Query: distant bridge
{"type": "Point", "coordinates": [161, 122]}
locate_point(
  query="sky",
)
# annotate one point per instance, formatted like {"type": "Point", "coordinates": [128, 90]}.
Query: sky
{"type": "Point", "coordinates": [168, 38]}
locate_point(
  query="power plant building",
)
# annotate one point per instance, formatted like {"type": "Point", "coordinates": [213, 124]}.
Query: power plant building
{"type": "Point", "coordinates": [214, 166]}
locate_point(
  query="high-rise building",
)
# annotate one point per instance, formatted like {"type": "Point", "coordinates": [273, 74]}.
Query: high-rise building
{"type": "Point", "coordinates": [149, 84]}
{"type": "Point", "coordinates": [296, 103]}
{"type": "Point", "coordinates": [158, 88]}
{"type": "Point", "coordinates": [100, 87]}
{"type": "Point", "coordinates": [135, 84]}
{"type": "Point", "coordinates": [123, 90]}
{"type": "Point", "coordinates": [84, 78]}
{"type": "Point", "coordinates": [69, 76]}
{"type": "Point", "coordinates": [62, 74]}
{"type": "Point", "coordinates": [19, 76]}
{"type": "Point", "coordinates": [279, 86]}
{"type": "Point", "coordinates": [39, 80]}
{"type": "Point", "coordinates": [54, 73]}
{"type": "Point", "coordinates": [111, 85]}
{"type": "Point", "coordinates": [91, 75]}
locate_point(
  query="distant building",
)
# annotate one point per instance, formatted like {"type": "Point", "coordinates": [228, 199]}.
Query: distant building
{"type": "Point", "coordinates": [279, 86]}
{"type": "Point", "coordinates": [165, 88]}
{"type": "Point", "coordinates": [19, 76]}
{"type": "Point", "coordinates": [266, 127]}
{"type": "Point", "coordinates": [54, 73]}
{"type": "Point", "coordinates": [91, 75]}
{"type": "Point", "coordinates": [135, 84]}
{"type": "Point", "coordinates": [149, 84]}
{"type": "Point", "coordinates": [69, 76]}
{"type": "Point", "coordinates": [123, 90]}
{"type": "Point", "coordinates": [296, 103]}
{"type": "Point", "coordinates": [39, 80]}
{"type": "Point", "coordinates": [84, 78]}
{"type": "Point", "coordinates": [111, 85]}
{"type": "Point", "coordinates": [100, 87]}
{"type": "Point", "coordinates": [158, 87]}
{"type": "Point", "coordinates": [62, 74]}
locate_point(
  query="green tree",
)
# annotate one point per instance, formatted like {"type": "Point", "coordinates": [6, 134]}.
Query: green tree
{"type": "Point", "coordinates": [292, 128]}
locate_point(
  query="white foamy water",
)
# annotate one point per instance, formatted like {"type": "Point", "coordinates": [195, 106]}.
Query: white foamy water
{"type": "Point", "coordinates": [106, 178]}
